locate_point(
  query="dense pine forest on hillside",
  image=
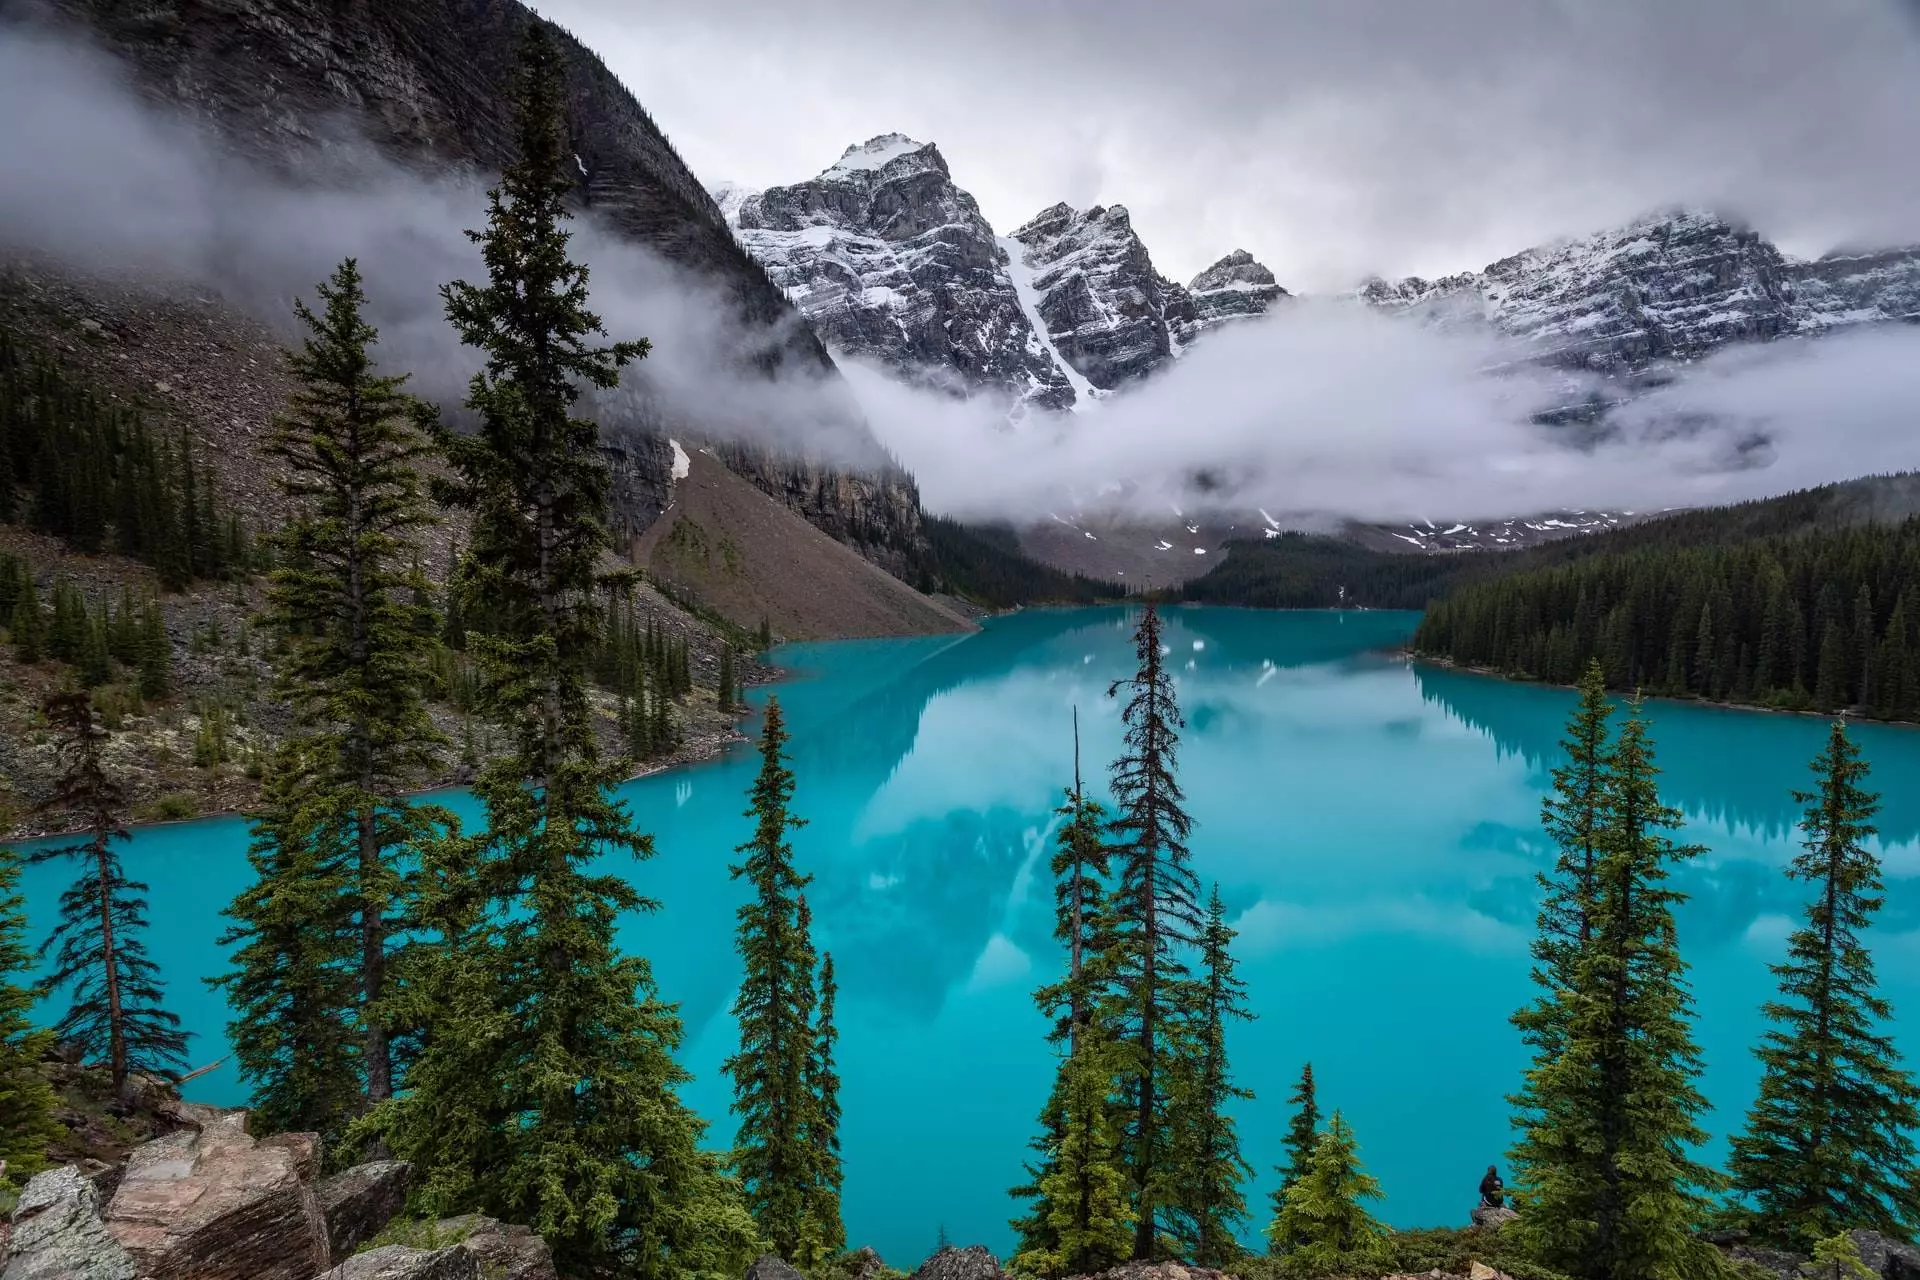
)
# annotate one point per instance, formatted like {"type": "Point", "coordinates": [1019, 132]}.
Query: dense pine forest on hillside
{"type": "Point", "coordinates": [984, 564]}
{"type": "Point", "coordinates": [1819, 620]}
{"type": "Point", "coordinates": [97, 477]}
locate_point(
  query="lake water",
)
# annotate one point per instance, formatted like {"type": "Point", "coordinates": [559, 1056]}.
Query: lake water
{"type": "Point", "coordinates": [1373, 827]}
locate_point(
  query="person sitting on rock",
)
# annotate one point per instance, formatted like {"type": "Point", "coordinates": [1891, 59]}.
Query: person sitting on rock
{"type": "Point", "coordinates": [1492, 1190]}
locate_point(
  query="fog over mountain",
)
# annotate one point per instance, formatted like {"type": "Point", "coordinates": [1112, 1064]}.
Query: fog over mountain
{"type": "Point", "coordinates": [1318, 408]}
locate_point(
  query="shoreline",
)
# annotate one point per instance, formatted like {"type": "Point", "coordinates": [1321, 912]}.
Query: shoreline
{"type": "Point", "coordinates": [1447, 664]}
{"type": "Point", "coordinates": [705, 750]}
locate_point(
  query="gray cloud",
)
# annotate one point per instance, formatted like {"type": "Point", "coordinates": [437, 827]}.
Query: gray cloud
{"type": "Point", "coordinates": [120, 188]}
{"type": "Point", "coordinates": [1330, 410]}
{"type": "Point", "coordinates": [1332, 138]}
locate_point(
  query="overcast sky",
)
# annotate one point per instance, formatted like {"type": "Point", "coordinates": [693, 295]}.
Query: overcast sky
{"type": "Point", "coordinates": [1332, 138]}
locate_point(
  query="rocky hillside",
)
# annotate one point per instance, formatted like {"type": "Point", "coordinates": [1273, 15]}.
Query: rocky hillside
{"type": "Point", "coordinates": [1672, 286]}
{"type": "Point", "coordinates": [286, 84]}
{"type": "Point", "coordinates": [893, 262]}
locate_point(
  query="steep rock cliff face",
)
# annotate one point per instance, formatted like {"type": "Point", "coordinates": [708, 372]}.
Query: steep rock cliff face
{"type": "Point", "coordinates": [299, 86]}
{"type": "Point", "coordinates": [1103, 304]}
{"type": "Point", "coordinates": [893, 262]}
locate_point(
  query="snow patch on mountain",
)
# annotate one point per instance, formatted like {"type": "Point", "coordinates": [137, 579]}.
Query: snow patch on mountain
{"type": "Point", "coordinates": [1022, 277]}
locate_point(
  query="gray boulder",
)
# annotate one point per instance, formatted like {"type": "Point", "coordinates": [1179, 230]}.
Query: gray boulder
{"type": "Point", "coordinates": [770, 1267]}
{"type": "Point", "coordinates": [58, 1235]}
{"type": "Point", "coordinates": [213, 1204]}
{"type": "Point", "coordinates": [505, 1252]}
{"type": "Point", "coordinates": [1890, 1259]}
{"type": "Point", "coordinates": [358, 1202]}
{"type": "Point", "coordinates": [971, 1263]}
{"type": "Point", "coordinates": [1493, 1216]}
{"type": "Point", "coordinates": [399, 1262]}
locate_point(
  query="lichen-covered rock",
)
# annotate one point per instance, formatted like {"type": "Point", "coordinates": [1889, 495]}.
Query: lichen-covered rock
{"type": "Point", "coordinates": [974, 1262]}
{"type": "Point", "coordinates": [358, 1203]}
{"type": "Point", "coordinates": [57, 1233]}
{"type": "Point", "coordinates": [1493, 1215]}
{"type": "Point", "coordinates": [213, 1204]}
{"type": "Point", "coordinates": [400, 1262]}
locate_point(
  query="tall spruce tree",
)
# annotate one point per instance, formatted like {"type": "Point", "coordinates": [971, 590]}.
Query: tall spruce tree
{"type": "Point", "coordinates": [296, 983]}
{"type": "Point", "coordinates": [99, 950]}
{"type": "Point", "coordinates": [1206, 1145]}
{"type": "Point", "coordinates": [825, 1236]}
{"type": "Point", "coordinates": [774, 1008]}
{"type": "Point", "coordinates": [27, 1102]}
{"type": "Point", "coordinates": [345, 600]}
{"type": "Point", "coordinates": [1303, 1134]}
{"type": "Point", "coordinates": [1073, 1006]}
{"type": "Point", "coordinates": [1323, 1227]}
{"type": "Point", "coordinates": [1154, 917]}
{"type": "Point", "coordinates": [1082, 1222]}
{"type": "Point", "coordinates": [1608, 1191]}
{"type": "Point", "coordinates": [1574, 815]}
{"type": "Point", "coordinates": [557, 1062]}
{"type": "Point", "coordinates": [1828, 1146]}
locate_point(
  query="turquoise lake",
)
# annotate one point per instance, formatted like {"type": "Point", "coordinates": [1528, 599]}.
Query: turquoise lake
{"type": "Point", "coordinates": [1373, 827]}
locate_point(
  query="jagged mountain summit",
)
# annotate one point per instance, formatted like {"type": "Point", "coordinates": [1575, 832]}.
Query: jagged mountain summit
{"type": "Point", "coordinates": [892, 261]}
{"type": "Point", "coordinates": [1672, 286]}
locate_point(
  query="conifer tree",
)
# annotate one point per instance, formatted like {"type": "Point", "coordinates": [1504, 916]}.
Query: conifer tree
{"type": "Point", "coordinates": [1828, 1146]}
{"type": "Point", "coordinates": [1303, 1134]}
{"type": "Point", "coordinates": [1575, 816]}
{"type": "Point", "coordinates": [98, 948]}
{"type": "Point", "coordinates": [1154, 915]}
{"type": "Point", "coordinates": [1206, 1146]}
{"type": "Point", "coordinates": [28, 626]}
{"type": "Point", "coordinates": [570, 1118]}
{"type": "Point", "coordinates": [1083, 1221]}
{"type": "Point", "coordinates": [356, 671]}
{"type": "Point", "coordinates": [726, 695]}
{"type": "Point", "coordinates": [27, 1101]}
{"type": "Point", "coordinates": [1608, 1191]}
{"type": "Point", "coordinates": [824, 1235]}
{"type": "Point", "coordinates": [296, 985]}
{"type": "Point", "coordinates": [774, 1008]}
{"type": "Point", "coordinates": [1323, 1228]}
{"type": "Point", "coordinates": [156, 653]}
{"type": "Point", "coordinates": [1073, 1005]}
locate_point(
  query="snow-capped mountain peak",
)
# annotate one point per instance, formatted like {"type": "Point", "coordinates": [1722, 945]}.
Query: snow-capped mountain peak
{"type": "Point", "coordinates": [877, 153]}
{"type": "Point", "coordinates": [892, 261]}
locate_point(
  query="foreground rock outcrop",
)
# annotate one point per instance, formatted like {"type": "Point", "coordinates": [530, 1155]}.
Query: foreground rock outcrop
{"type": "Point", "coordinates": [212, 1202]}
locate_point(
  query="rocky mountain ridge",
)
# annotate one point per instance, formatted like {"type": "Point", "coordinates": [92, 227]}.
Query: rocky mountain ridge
{"type": "Point", "coordinates": [893, 262]}
{"type": "Point", "coordinates": [1668, 287]}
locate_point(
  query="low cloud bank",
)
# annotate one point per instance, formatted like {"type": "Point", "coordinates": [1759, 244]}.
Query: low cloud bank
{"type": "Point", "coordinates": [1328, 409]}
